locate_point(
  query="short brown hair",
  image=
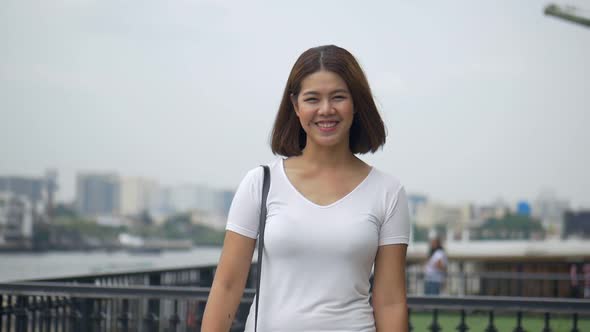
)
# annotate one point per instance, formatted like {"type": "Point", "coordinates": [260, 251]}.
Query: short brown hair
{"type": "Point", "coordinates": [367, 132]}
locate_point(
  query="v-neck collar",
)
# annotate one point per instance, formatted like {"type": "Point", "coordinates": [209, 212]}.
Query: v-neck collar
{"type": "Point", "coordinates": [301, 196]}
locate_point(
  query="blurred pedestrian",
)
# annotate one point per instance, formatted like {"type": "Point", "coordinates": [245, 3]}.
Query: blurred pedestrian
{"type": "Point", "coordinates": [436, 268]}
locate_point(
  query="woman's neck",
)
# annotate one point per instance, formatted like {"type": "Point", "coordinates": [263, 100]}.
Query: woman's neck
{"type": "Point", "coordinates": [328, 157]}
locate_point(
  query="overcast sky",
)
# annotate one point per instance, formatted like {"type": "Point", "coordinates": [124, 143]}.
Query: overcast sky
{"type": "Point", "coordinates": [481, 99]}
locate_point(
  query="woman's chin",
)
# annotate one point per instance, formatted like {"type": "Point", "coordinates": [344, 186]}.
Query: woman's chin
{"type": "Point", "coordinates": [325, 143]}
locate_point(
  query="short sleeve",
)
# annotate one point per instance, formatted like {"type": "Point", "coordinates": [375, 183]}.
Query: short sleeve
{"type": "Point", "coordinates": [244, 212]}
{"type": "Point", "coordinates": [439, 255]}
{"type": "Point", "coordinates": [396, 226]}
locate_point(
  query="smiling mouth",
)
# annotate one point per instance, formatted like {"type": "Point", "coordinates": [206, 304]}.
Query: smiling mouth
{"type": "Point", "coordinates": [326, 124]}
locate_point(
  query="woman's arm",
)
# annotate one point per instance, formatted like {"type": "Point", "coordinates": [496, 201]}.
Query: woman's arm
{"type": "Point", "coordinates": [440, 265]}
{"type": "Point", "coordinates": [389, 289]}
{"type": "Point", "coordinates": [229, 282]}
{"type": "Point", "coordinates": [441, 261]}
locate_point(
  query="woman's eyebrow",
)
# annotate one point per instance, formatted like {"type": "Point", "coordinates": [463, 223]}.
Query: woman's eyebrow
{"type": "Point", "coordinates": [310, 93]}
{"type": "Point", "coordinates": [339, 91]}
{"type": "Point", "coordinates": [317, 93]}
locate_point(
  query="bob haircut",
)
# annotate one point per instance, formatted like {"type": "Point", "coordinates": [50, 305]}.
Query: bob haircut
{"type": "Point", "coordinates": [367, 132]}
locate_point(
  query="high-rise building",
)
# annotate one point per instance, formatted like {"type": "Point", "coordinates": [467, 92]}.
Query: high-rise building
{"type": "Point", "coordinates": [51, 176]}
{"type": "Point", "coordinates": [137, 195]}
{"type": "Point", "coordinates": [550, 210]}
{"type": "Point", "coordinates": [97, 194]}
{"type": "Point", "coordinates": [39, 191]}
{"type": "Point", "coordinates": [576, 224]}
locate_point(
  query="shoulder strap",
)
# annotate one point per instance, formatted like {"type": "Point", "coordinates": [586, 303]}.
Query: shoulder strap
{"type": "Point", "coordinates": [265, 187]}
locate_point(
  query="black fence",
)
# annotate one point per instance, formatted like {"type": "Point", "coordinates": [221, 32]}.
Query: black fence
{"type": "Point", "coordinates": [553, 285]}
{"type": "Point", "coordinates": [43, 306]}
{"type": "Point", "coordinates": [174, 300]}
{"type": "Point", "coordinates": [67, 307]}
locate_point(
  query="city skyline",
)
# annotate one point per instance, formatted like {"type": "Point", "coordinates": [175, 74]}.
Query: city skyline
{"type": "Point", "coordinates": [511, 204]}
{"type": "Point", "coordinates": [481, 100]}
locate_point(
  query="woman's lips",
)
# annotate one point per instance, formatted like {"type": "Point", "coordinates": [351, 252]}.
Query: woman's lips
{"type": "Point", "coordinates": [327, 126]}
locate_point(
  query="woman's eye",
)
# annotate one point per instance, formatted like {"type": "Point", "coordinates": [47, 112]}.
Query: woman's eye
{"type": "Point", "coordinates": [311, 100]}
{"type": "Point", "coordinates": [339, 97]}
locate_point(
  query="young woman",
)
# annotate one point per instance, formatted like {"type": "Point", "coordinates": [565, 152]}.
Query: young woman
{"type": "Point", "coordinates": [330, 218]}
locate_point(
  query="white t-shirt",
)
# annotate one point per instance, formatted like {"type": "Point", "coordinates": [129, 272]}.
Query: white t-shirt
{"type": "Point", "coordinates": [317, 260]}
{"type": "Point", "coordinates": [431, 271]}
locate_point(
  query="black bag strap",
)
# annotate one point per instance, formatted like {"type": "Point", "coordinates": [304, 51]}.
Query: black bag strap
{"type": "Point", "coordinates": [265, 187]}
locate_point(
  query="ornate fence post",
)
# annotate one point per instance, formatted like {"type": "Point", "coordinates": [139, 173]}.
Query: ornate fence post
{"type": "Point", "coordinates": [491, 327]}
{"type": "Point", "coordinates": [518, 327]}
{"type": "Point", "coordinates": [547, 328]}
{"type": "Point", "coordinates": [434, 327]}
{"type": "Point", "coordinates": [462, 327]}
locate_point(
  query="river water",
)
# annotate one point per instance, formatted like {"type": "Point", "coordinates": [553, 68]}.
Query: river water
{"type": "Point", "coordinates": [23, 266]}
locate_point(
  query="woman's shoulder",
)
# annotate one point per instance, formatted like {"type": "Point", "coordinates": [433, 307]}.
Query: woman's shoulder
{"type": "Point", "coordinates": [256, 174]}
{"type": "Point", "coordinates": [386, 180]}
{"type": "Point", "coordinates": [440, 252]}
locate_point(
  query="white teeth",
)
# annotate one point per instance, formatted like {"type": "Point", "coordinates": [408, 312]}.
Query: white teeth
{"type": "Point", "coordinates": [327, 124]}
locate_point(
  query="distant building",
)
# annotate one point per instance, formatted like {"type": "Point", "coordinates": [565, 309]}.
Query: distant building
{"type": "Point", "coordinates": [185, 198]}
{"type": "Point", "coordinates": [498, 210]}
{"type": "Point", "coordinates": [550, 210]}
{"type": "Point", "coordinates": [97, 194]}
{"type": "Point", "coordinates": [24, 202]}
{"type": "Point", "coordinates": [432, 214]}
{"type": "Point", "coordinates": [137, 194]}
{"type": "Point", "coordinates": [577, 225]}
{"type": "Point", "coordinates": [415, 201]}
{"type": "Point", "coordinates": [227, 197]}
{"type": "Point", "coordinates": [39, 191]}
{"type": "Point", "coordinates": [16, 220]}
{"type": "Point", "coordinates": [160, 206]}
{"type": "Point", "coordinates": [51, 176]}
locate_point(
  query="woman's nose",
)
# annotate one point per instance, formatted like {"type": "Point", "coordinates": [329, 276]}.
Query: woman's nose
{"type": "Point", "coordinates": [326, 107]}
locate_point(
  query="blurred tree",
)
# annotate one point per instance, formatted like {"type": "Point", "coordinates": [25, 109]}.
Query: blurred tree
{"type": "Point", "coordinates": [512, 226]}
{"type": "Point", "coordinates": [145, 219]}
{"type": "Point", "coordinates": [180, 226]}
{"type": "Point", "coordinates": [64, 210]}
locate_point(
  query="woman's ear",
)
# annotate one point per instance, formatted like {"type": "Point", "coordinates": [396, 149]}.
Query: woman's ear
{"type": "Point", "coordinates": [294, 102]}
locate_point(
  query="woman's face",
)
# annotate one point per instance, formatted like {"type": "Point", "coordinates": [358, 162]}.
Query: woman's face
{"type": "Point", "coordinates": [325, 109]}
{"type": "Point", "coordinates": [434, 243]}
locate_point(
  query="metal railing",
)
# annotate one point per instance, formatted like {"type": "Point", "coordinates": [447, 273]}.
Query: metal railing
{"type": "Point", "coordinates": [201, 276]}
{"type": "Point", "coordinates": [174, 300]}
{"type": "Point", "coordinates": [65, 307]}
{"type": "Point", "coordinates": [43, 306]}
{"type": "Point", "coordinates": [555, 285]}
